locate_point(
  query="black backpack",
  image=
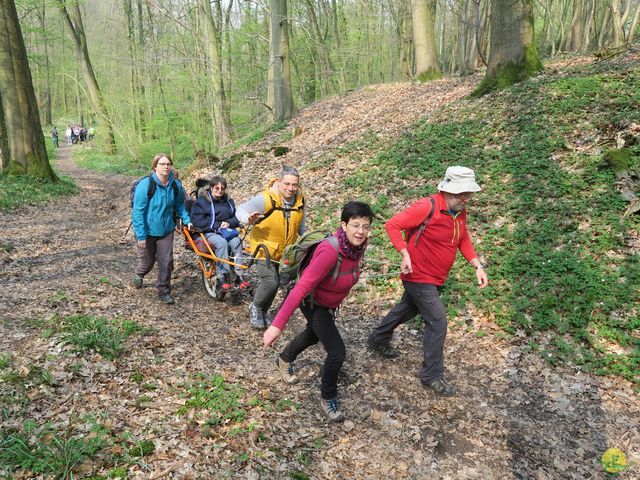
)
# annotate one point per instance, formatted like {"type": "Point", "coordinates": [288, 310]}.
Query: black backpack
{"type": "Point", "coordinates": [152, 188]}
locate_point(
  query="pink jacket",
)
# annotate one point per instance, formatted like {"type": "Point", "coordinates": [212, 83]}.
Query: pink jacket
{"type": "Point", "coordinates": [317, 278]}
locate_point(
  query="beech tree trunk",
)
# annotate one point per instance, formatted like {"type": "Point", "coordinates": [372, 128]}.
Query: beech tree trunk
{"type": "Point", "coordinates": [405, 66]}
{"type": "Point", "coordinates": [577, 33]}
{"type": "Point", "coordinates": [73, 20]}
{"type": "Point", "coordinates": [22, 142]}
{"type": "Point", "coordinates": [617, 30]}
{"type": "Point", "coordinates": [222, 120]}
{"type": "Point", "coordinates": [423, 15]}
{"type": "Point", "coordinates": [513, 55]}
{"type": "Point", "coordinates": [279, 96]}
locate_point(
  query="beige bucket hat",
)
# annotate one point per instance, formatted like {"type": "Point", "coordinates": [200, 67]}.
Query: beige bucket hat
{"type": "Point", "coordinates": [458, 180]}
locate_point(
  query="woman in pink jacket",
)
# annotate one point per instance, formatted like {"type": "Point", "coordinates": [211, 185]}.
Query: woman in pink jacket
{"type": "Point", "coordinates": [318, 293]}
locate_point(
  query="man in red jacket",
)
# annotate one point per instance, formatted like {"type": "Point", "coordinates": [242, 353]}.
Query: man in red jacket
{"type": "Point", "coordinates": [428, 254]}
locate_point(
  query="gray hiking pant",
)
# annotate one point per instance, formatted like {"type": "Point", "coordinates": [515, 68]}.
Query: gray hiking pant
{"type": "Point", "coordinates": [422, 298]}
{"type": "Point", "coordinates": [267, 289]}
{"type": "Point", "coordinates": [162, 249]}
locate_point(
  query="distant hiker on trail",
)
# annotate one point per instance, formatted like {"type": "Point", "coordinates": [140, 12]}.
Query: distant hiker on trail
{"type": "Point", "coordinates": [69, 135]}
{"type": "Point", "coordinates": [215, 214]}
{"type": "Point", "coordinates": [319, 292]}
{"type": "Point", "coordinates": [54, 136]}
{"type": "Point", "coordinates": [277, 215]}
{"type": "Point", "coordinates": [428, 254]}
{"type": "Point", "coordinates": [154, 224]}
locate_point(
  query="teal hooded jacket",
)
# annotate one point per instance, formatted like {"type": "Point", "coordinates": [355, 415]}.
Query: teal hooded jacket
{"type": "Point", "coordinates": [154, 217]}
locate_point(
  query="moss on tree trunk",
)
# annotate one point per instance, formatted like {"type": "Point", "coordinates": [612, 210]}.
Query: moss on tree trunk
{"type": "Point", "coordinates": [510, 73]}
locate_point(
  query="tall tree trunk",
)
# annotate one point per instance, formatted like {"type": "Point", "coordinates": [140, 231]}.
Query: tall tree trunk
{"type": "Point", "coordinates": [513, 56]}
{"type": "Point", "coordinates": [405, 45]}
{"type": "Point", "coordinates": [617, 29]}
{"type": "Point", "coordinates": [468, 45]}
{"type": "Point", "coordinates": [604, 30]}
{"type": "Point", "coordinates": [588, 24]}
{"type": "Point", "coordinates": [75, 27]}
{"type": "Point", "coordinates": [633, 29]}
{"type": "Point", "coordinates": [129, 19]}
{"type": "Point", "coordinates": [222, 119]}
{"type": "Point", "coordinates": [326, 66]}
{"type": "Point", "coordinates": [577, 33]}
{"type": "Point", "coordinates": [279, 96]}
{"type": "Point", "coordinates": [156, 70]}
{"type": "Point", "coordinates": [423, 15]}
{"type": "Point", "coordinates": [140, 48]}
{"type": "Point", "coordinates": [4, 140]}
{"type": "Point", "coordinates": [46, 91]}
{"type": "Point", "coordinates": [25, 148]}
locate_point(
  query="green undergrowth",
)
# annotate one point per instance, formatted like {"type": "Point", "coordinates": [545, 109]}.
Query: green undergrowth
{"type": "Point", "coordinates": [89, 333]}
{"type": "Point", "coordinates": [98, 334]}
{"type": "Point", "coordinates": [549, 222]}
{"type": "Point", "coordinates": [18, 190]}
{"type": "Point", "coordinates": [125, 163]}
{"type": "Point", "coordinates": [69, 449]}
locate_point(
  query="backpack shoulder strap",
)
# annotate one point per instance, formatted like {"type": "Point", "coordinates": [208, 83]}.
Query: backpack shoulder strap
{"type": "Point", "coordinates": [333, 241]}
{"type": "Point", "coordinates": [424, 224]}
{"type": "Point", "coordinates": [268, 212]}
{"type": "Point", "coordinates": [152, 187]}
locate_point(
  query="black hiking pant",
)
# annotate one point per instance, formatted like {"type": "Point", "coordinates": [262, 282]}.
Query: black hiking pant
{"type": "Point", "coordinates": [321, 327]}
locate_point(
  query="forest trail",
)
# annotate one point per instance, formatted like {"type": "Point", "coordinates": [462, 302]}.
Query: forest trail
{"type": "Point", "coordinates": [515, 416]}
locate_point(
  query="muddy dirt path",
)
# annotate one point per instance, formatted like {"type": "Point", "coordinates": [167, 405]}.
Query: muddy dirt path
{"type": "Point", "coordinates": [515, 416]}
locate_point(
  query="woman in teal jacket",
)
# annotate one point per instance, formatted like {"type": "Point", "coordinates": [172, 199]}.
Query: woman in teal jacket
{"type": "Point", "coordinates": [153, 222]}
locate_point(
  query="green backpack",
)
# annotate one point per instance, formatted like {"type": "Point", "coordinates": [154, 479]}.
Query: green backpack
{"type": "Point", "coordinates": [297, 256]}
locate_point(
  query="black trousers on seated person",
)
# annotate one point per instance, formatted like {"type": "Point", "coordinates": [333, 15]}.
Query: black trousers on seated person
{"type": "Point", "coordinates": [321, 327]}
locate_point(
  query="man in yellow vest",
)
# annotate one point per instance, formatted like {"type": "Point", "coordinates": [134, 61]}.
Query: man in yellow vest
{"type": "Point", "coordinates": [278, 218]}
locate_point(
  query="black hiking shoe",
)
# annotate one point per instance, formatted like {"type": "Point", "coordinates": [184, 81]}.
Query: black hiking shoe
{"type": "Point", "coordinates": [168, 299]}
{"type": "Point", "coordinates": [441, 387]}
{"type": "Point", "coordinates": [384, 350]}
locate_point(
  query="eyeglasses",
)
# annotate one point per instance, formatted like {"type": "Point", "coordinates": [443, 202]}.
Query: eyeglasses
{"type": "Point", "coordinates": [356, 227]}
{"type": "Point", "coordinates": [163, 164]}
{"type": "Point", "coordinates": [219, 187]}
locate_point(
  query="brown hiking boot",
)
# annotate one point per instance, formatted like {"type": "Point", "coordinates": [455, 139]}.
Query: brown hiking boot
{"type": "Point", "coordinates": [331, 410]}
{"type": "Point", "coordinates": [286, 371]}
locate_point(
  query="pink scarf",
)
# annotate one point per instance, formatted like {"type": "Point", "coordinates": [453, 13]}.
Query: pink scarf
{"type": "Point", "coordinates": [349, 251]}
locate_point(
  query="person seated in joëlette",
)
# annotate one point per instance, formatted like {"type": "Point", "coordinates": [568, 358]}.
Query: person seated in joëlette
{"type": "Point", "coordinates": [214, 213]}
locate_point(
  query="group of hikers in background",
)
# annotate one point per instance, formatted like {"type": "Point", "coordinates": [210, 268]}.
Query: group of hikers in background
{"type": "Point", "coordinates": [75, 133]}
{"type": "Point", "coordinates": [427, 234]}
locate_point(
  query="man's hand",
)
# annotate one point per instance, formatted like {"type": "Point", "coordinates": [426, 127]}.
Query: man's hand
{"type": "Point", "coordinates": [224, 225]}
{"type": "Point", "coordinates": [405, 264]}
{"type": "Point", "coordinates": [142, 243]}
{"type": "Point", "coordinates": [270, 335]}
{"type": "Point", "coordinates": [254, 217]}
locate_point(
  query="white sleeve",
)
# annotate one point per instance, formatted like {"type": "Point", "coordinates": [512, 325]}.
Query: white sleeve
{"type": "Point", "coordinates": [255, 204]}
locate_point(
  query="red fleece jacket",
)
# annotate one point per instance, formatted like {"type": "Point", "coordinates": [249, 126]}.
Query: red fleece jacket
{"type": "Point", "coordinates": [435, 253]}
{"type": "Point", "coordinates": [317, 277]}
